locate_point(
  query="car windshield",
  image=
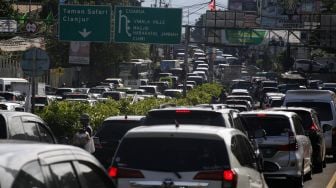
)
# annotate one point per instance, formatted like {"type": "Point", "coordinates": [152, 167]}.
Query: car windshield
{"type": "Point", "coordinates": [323, 109]}
{"type": "Point", "coordinates": [172, 154]}
{"type": "Point", "coordinates": [185, 117]}
{"type": "Point", "coordinates": [116, 129]}
{"type": "Point", "coordinates": [273, 125]}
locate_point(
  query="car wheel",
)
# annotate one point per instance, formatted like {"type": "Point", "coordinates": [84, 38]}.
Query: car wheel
{"type": "Point", "coordinates": [324, 163]}
{"type": "Point", "coordinates": [318, 167]}
{"type": "Point", "coordinates": [299, 181]}
{"type": "Point", "coordinates": [309, 175]}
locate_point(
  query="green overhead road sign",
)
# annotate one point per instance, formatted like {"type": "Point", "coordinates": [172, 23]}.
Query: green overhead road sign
{"type": "Point", "coordinates": [147, 25]}
{"type": "Point", "coordinates": [85, 23]}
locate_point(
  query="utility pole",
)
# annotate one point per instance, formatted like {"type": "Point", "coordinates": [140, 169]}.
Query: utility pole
{"type": "Point", "coordinates": [185, 64]}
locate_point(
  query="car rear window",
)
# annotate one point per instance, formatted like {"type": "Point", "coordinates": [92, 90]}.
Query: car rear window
{"type": "Point", "coordinates": [323, 109]}
{"type": "Point", "coordinates": [172, 154]}
{"type": "Point", "coordinates": [305, 117]}
{"type": "Point", "coordinates": [116, 129]}
{"type": "Point", "coordinates": [185, 117]}
{"type": "Point", "coordinates": [276, 103]}
{"type": "Point", "coordinates": [273, 125]}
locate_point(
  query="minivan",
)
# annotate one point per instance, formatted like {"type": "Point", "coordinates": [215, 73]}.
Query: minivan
{"type": "Point", "coordinates": [186, 156]}
{"type": "Point", "coordinates": [324, 103]}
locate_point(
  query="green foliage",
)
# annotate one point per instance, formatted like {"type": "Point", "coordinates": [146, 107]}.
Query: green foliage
{"type": "Point", "coordinates": [63, 116]}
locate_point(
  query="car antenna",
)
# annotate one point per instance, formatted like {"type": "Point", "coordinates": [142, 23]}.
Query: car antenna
{"type": "Point", "coordinates": [125, 116]}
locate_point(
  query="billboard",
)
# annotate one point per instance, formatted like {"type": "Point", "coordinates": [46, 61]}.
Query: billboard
{"type": "Point", "coordinates": [243, 5]}
{"type": "Point", "coordinates": [287, 14]}
{"type": "Point", "coordinates": [79, 53]}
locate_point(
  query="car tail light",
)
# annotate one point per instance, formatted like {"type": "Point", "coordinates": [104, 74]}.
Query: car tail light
{"type": "Point", "coordinates": [289, 147]}
{"type": "Point", "coordinates": [183, 111]}
{"type": "Point", "coordinates": [115, 172]}
{"type": "Point", "coordinates": [313, 127]}
{"type": "Point", "coordinates": [261, 115]}
{"type": "Point", "coordinates": [228, 177]}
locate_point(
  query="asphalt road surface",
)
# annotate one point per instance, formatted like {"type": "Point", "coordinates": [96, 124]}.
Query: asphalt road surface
{"type": "Point", "coordinates": [326, 179]}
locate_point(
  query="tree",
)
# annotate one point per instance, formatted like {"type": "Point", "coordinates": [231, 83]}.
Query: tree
{"type": "Point", "coordinates": [197, 33]}
{"type": "Point", "coordinates": [6, 9]}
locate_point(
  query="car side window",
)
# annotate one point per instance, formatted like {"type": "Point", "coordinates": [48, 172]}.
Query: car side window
{"type": "Point", "coordinates": [31, 131]}
{"type": "Point", "coordinates": [298, 125]}
{"type": "Point", "coordinates": [249, 154]}
{"type": "Point", "coordinates": [64, 175]}
{"type": "Point", "coordinates": [3, 128]}
{"type": "Point", "coordinates": [30, 176]}
{"type": "Point", "coordinates": [45, 134]}
{"type": "Point", "coordinates": [16, 129]}
{"type": "Point", "coordinates": [237, 151]}
{"type": "Point", "coordinates": [93, 176]}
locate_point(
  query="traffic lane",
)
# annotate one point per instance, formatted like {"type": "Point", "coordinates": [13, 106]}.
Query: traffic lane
{"type": "Point", "coordinates": [319, 180]}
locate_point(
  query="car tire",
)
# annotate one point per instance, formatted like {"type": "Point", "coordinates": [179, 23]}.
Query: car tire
{"type": "Point", "coordinates": [318, 167]}
{"type": "Point", "coordinates": [324, 163]}
{"type": "Point", "coordinates": [298, 181]}
{"type": "Point", "coordinates": [309, 175]}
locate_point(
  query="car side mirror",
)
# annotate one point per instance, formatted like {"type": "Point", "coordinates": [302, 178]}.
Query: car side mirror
{"type": "Point", "coordinates": [326, 127]}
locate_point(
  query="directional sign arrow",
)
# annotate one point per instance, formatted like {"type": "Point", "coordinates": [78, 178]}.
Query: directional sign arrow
{"type": "Point", "coordinates": [84, 33]}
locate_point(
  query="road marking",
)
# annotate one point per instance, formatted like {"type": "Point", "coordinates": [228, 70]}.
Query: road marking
{"type": "Point", "coordinates": [332, 181]}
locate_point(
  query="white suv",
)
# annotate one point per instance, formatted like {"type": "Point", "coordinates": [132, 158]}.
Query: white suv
{"type": "Point", "coordinates": [185, 156]}
{"type": "Point", "coordinates": [286, 150]}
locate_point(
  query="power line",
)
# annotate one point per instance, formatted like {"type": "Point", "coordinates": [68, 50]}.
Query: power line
{"type": "Point", "coordinates": [190, 6]}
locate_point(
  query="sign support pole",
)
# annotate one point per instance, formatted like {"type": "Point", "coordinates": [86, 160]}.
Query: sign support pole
{"type": "Point", "coordinates": [185, 64]}
{"type": "Point", "coordinates": [33, 82]}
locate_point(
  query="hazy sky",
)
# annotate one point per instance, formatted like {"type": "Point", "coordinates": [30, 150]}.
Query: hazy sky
{"type": "Point", "coordinates": [196, 7]}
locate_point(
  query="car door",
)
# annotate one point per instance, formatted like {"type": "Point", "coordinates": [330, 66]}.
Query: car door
{"type": "Point", "coordinates": [251, 163]}
{"type": "Point", "coordinates": [92, 176]}
{"type": "Point", "coordinates": [302, 140]}
{"type": "Point", "coordinates": [248, 176]}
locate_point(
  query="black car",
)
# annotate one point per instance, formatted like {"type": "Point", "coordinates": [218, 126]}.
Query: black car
{"type": "Point", "coordinates": [24, 126]}
{"type": "Point", "coordinates": [206, 115]}
{"type": "Point", "coordinates": [107, 138]}
{"type": "Point", "coordinates": [311, 125]}
{"type": "Point", "coordinates": [25, 164]}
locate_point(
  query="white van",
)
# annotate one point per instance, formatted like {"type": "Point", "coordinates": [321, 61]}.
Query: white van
{"type": "Point", "coordinates": [324, 103]}
{"type": "Point", "coordinates": [6, 83]}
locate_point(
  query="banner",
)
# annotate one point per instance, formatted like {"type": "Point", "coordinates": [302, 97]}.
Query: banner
{"type": "Point", "coordinates": [243, 36]}
{"type": "Point", "coordinates": [79, 53]}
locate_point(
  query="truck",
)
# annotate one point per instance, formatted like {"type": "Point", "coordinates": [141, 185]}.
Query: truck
{"type": "Point", "coordinates": [227, 73]}
{"type": "Point", "coordinates": [166, 65]}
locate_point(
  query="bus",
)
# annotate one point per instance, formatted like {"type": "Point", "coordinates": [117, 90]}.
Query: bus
{"type": "Point", "coordinates": [134, 70]}
{"type": "Point", "coordinates": [6, 83]}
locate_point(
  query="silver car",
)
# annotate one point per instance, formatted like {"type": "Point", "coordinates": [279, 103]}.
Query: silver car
{"type": "Point", "coordinates": [186, 156]}
{"type": "Point", "coordinates": [286, 150]}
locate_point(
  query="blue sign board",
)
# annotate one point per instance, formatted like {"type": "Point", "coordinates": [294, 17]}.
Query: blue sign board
{"type": "Point", "coordinates": [35, 57]}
